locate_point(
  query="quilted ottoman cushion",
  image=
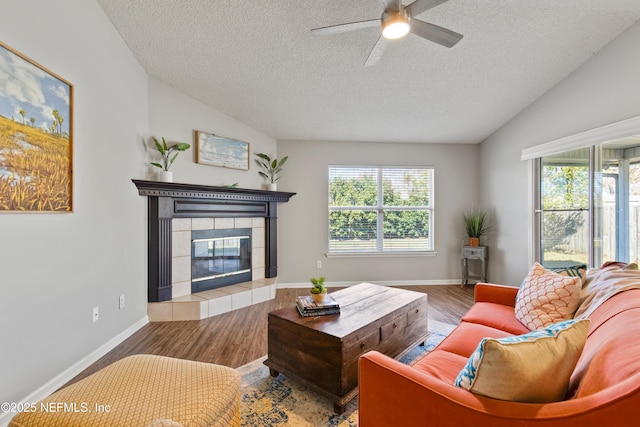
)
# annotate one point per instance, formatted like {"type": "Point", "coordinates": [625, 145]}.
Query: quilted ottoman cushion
{"type": "Point", "coordinates": [144, 390]}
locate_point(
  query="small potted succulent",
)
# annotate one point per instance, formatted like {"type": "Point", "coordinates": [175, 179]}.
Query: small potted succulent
{"type": "Point", "coordinates": [271, 168]}
{"type": "Point", "coordinates": [319, 291]}
{"type": "Point", "coordinates": [166, 152]}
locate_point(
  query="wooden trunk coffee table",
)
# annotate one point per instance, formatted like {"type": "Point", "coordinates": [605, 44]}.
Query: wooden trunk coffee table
{"type": "Point", "coordinates": [322, 352]}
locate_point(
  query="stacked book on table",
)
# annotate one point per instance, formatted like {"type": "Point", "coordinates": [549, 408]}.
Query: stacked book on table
{"type": "Point", "coordinates": [308, 307]}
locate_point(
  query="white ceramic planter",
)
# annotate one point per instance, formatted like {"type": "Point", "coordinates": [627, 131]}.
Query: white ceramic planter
{"type": "Point", "coordinates": [165, 176]}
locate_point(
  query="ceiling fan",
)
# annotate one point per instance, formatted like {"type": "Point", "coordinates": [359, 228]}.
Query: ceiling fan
{"type": "Point", "coordinates": [396, 22]}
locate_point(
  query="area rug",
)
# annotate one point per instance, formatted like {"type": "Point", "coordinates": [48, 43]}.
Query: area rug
{"type": "Point", "coordinates": [268, 401]}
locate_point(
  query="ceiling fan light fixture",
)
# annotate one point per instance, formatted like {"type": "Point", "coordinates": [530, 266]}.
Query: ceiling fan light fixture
{"type": "Point", "coordinates": [396, 26]}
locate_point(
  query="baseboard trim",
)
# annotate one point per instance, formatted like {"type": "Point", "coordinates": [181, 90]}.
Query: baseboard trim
{"type": "Point", "coordinates": [68, 374]}
{"type": "Point", "coordinates": [377, 282]}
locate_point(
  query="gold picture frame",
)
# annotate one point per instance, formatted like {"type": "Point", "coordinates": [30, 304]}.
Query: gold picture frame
{"type": "Point", "coordinates": [223, 152]}
{"type": "Point", "coordinates": [36, 136]}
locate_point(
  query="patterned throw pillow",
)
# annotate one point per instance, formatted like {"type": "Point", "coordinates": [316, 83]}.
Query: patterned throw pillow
{"type": "Point", "coordinates": [534, 368]}
{"type": "Point", "coordinates": [546, 297]}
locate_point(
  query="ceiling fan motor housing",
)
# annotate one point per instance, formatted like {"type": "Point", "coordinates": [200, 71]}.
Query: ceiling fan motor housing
{"type": "Point", "coordinates": [395, 25]}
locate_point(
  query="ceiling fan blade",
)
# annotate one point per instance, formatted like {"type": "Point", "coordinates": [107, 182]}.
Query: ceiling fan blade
{"type": "Point", "coordinates": [435, 33]}
{"type": "Point", "coordinates": [377, 52]}
{"type": "Point", "coordinates": [343, 28]}
{"type": "Point", "coordinates": [419, 6]}
{"type": "Point", "coordinates": [389, 5]}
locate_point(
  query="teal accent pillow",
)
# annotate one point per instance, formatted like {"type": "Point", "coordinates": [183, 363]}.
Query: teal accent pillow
{"type": "Point", "coordinates": [579, 270]}
{"type": "Point", "coordinates": [534, 367]}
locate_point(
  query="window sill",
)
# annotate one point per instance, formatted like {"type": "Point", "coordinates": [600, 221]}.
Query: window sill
{"type": "Point", "coordinates": [380, 254]}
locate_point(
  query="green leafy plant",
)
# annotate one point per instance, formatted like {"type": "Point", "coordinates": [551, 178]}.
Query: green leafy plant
{"type": "Point", "coordinates": [318, 285]}
{"type": "Point", "coordinates": [476, 223]}
{"type": "Point", "coordinates": [166, 151]}
{"type": "Point", "coordinates": [270, 168]}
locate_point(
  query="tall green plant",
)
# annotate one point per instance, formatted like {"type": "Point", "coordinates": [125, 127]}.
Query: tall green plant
{"type": "Point", "coordinates": [166, 151]}
{"type": "Point", "coordinates": [270, 168]}
{"type": "Point", "coordinates": [476, 223]}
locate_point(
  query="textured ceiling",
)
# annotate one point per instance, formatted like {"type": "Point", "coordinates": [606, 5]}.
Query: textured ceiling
{"type": "Point", "coordinates": [256, 61]}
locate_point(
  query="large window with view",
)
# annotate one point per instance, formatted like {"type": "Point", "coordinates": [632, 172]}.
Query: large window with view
{"type": "Point", "coordinates": [380, 210]}
{"type": "Point", "coordinates": [589, 204]}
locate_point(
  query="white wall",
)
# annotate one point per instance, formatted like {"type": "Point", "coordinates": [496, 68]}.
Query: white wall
{"type": "Point", "coordinates": [604, 90]}
{"type": "Point", "coordinates": [56, 267]}
{"type": "Point", "coordinates": [177, 116]}
{"type": "Point", "coordinates": [303, 222]}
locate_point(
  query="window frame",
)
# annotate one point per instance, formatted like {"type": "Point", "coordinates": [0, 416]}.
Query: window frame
{"type": "Point", "coordinates": [595, 214]}
{"type": "Point", "coordinates": [380, 210]}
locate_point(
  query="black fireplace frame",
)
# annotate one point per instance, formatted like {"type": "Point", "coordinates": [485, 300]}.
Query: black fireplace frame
{"type": "Point", "coordinates": [168, 200]}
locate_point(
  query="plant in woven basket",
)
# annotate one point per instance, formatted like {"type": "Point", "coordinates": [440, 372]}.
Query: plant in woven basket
{"type": "Point", "coordinates": [476, 225]}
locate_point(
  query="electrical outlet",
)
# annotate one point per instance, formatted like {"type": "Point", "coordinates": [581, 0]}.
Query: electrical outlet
{"type": "Point", "coordinates": [96, 314]}
{"type": "Point", "coordinates": [121, 302]}
{"type": "Point", "coordinates": [318, 264]}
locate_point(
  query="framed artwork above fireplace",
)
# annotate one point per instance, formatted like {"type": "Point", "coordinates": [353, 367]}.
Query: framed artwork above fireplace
{"type": "Point", "coordinates": [216, 150]}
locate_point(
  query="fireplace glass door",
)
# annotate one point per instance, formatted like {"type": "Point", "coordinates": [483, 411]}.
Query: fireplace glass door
{"type": "Point", "coordinates": [219, 261]}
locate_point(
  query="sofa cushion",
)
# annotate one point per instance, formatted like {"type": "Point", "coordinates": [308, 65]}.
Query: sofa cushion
{"type": "Point", "coordinates": [496, 316]}
{"type": "Point", "coordinates": [535, 367]}
{"type": "Point", "coordinates": [546, 297]}
{"type": "Point", "coordinates": [465, 338]}
{"type": "Point", "coordinates": [610, 356]}
{"type": "Point", "coordinates": [441, 365]}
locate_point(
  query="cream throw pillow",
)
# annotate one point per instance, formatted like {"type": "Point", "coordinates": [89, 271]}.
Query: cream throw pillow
{"type": "Point", "coordinates": [546, 297]}
{"type": "Point", "coordinates": [534, 368]}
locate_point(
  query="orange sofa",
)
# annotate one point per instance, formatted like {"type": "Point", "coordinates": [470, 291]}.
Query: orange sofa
{"type": "Point", "coordinates": [604, 388]}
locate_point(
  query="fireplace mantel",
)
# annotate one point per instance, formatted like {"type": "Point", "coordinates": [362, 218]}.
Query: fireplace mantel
{"type": "Point", "coordinates": [168, 200]}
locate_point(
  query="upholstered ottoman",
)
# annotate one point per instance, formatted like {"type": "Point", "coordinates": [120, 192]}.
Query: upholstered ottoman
{"type": "Point", "coordinates": [140, 391]}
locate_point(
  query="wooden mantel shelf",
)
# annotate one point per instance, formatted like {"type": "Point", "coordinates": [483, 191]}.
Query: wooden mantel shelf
{"type": "Point", "coordinates": [178, 190]}
{"type": "Point", "coordinates": [168, 200]}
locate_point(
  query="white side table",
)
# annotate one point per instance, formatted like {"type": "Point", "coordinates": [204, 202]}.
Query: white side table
{"type": "Point", "coordinates": [471, 253]}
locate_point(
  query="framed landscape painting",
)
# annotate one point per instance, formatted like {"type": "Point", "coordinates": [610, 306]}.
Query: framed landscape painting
{"type": "Point", "coordinates": [36, 136]}
{"type": "Point", "coordinates": [219, 151]}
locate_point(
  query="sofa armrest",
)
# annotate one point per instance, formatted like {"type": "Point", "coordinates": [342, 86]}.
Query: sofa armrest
{"type": "Point", "coordinates": [499, 294]}
{"type": "Point", "coordinates": [392, 393]}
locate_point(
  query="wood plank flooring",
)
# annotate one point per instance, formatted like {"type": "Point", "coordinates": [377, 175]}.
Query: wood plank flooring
{"type": "Point", "coordinates": [240, 336]}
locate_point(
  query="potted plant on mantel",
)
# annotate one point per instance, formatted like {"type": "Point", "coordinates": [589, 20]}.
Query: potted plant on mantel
{"type": "Point", "coordinates": [476, 225]}
{"type": "Point", "coordinates": [319, 291]}
{"type": "Point", "coordinates": [165, 175]}
{"type": "Point", "coordinates": [270, 169]}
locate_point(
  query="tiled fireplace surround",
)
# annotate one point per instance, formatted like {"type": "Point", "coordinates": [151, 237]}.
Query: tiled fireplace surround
{"type": "Point", "coordinates": [187, 306]}
{"type": "Point", "coordinates": [177, 209]}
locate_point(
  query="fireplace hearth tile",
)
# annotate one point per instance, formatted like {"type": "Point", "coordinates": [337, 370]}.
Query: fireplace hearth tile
{"type": "Point", "coordinates": [190, 310]}
{"type": "Point", "coordinates": [240, 296]}
{"type": "Point", "coordinates": [160, 311]}
{"type": "Point", "coordinates": [220, 305]}
{"type": "Point", "coordinates": [213, 302]}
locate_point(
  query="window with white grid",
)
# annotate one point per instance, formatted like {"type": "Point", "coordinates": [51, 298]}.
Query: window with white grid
{"type": "Point", "coordinates": [380, 210]}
